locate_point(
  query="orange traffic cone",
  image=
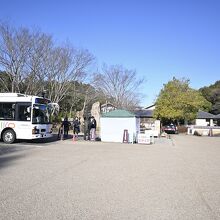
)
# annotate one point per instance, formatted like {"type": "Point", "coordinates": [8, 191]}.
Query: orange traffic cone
{"type": "Point", "coordinates": [74, 138]}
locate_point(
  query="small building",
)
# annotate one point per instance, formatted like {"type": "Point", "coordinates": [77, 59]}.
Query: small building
{"type": "Point", "coordinates": [205, 119]}
{"type": "Point", "coordinates": [205, 124]}
{"type": "Point", "coordinates": [147, 122]}
{"type": "Point", "coordinates": [114, 123]}
{"type": "Point", "coordinates": [107, 107]}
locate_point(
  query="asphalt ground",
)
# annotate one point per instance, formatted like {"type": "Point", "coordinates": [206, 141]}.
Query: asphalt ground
{"type": "Point", "coordinates": [175, 178]}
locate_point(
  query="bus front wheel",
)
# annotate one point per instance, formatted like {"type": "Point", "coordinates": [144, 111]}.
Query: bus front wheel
{"type": "Point", "coordinates": [8, 136]}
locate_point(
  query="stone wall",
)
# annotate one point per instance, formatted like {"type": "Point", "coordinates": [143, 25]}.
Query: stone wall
{"type": "Point", "coordinates": [95, 111]}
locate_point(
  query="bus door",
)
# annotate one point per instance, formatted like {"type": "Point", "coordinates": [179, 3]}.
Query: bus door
{"type": "Point", "coordinates": [23, 118]}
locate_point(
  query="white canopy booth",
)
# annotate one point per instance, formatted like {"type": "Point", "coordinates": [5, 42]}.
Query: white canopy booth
{"type": "Point", "coordinates": [114, 123]}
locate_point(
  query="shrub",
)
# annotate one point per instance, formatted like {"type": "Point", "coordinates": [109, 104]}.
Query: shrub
{"type": "Point", "coordinates": [182, 129]}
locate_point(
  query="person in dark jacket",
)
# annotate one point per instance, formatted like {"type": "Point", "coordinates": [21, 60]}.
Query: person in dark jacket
{"type": "Point", "coordinates": [76, 126]}
{"type": "Point", "coordinates": [65, 126]}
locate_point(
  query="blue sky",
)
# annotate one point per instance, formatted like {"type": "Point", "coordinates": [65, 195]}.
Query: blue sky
{"type": "Point", "coordinates": [159, 39]}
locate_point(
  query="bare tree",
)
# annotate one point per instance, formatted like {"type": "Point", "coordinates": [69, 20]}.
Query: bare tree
{"type": "Point", "coordinates": [38, 63]}
{"type": "Point", "coordinates": [33, 63]}
{"type": "Point", "coordinates": [90, 96]}
{"type": "Point", "coordinates": [65, 66]}
{"type": "Point", "coordinates": [14, 50]}
{"type": "Point", "coordinates": [5, 83]}
{"type": "Point", "coordinates": [119, 85]}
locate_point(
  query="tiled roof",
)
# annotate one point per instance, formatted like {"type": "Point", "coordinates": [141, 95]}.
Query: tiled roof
{"type": "Point", "coordinates": [204, 115]}
{"type": "Point", "coordinates": [217, 116]}
{"type": "Point", "coordinates": [144, 113]}
{"type": "Point", "coordinates": [118, 113]}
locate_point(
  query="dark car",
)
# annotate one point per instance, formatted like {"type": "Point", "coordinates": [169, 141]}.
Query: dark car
{"type": "Point", "coordinates": [170, 129]}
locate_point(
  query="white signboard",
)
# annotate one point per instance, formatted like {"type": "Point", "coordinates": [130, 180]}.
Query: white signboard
{"type": "Point", "coordinates": [144, 139]}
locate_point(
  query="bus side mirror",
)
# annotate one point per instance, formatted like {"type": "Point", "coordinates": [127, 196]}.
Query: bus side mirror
{"type": "Point", "coordinates": [53, 108]}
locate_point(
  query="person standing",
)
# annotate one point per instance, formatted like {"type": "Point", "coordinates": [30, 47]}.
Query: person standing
{"type": "Point", "coordinates": [86, 129]}
{"type": "Point", "coordinates": [93, 129]}
{"type": "Point", "coordinates": [76, 126]}
{"type": "Point", "coordinates": [65, 126]}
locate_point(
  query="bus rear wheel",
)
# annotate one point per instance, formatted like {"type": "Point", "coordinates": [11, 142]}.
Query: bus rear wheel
{"type": "Point", "coordinates": [8, 136]}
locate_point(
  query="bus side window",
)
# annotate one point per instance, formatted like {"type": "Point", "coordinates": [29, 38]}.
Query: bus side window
{"type": "Point", "coordinates": [24, 113]}
{"type": "Point", "coordinates": [1, 111]}
{"type": "Point", "coordinates": [7, 111]}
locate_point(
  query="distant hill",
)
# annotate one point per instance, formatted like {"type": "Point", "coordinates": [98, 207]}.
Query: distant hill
{"type": "Point", "coordinates": [212, 94]}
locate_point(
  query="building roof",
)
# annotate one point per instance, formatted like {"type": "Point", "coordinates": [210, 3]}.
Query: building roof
{"type": "Point", "coordinates": [204, 115]}
{"type": "Point", "coordinates": [118, 113]}
{"type": "Point", "coordinates": [144, 113]}
{"type": "Point", "coordinates": [151, 107]}
{"type": "Point", "coordinates": [107, 105]}
{"type": "Point", "coordinates": [217, 116]}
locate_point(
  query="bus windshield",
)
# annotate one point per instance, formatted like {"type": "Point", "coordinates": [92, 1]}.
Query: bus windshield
{"type": "Point", "coordinates": [40, 114]}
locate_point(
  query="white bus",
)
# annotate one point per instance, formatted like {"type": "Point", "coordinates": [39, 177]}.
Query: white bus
{"type": "Point", "coordinates": [24, 117]}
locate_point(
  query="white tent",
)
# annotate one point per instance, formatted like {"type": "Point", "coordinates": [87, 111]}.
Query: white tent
{"type": "Point", "coordinates": [113, 124]}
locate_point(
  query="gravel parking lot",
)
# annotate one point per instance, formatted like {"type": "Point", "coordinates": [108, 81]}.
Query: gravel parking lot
{"type": "Point", "coordinates": [175, 178]}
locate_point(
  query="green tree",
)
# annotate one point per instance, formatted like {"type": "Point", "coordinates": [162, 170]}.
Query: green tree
{"type": "Point", "coordinates": [212, 94]}
{"type": "Point", "coordinates": [177, 101]}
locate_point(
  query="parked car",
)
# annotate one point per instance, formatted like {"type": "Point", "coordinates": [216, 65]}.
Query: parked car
{"type": "Point", "coordinates": [170, 129]}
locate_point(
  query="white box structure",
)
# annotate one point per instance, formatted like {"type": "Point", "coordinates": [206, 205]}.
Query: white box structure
{"type": "Point", "coordinates": [113, 124]}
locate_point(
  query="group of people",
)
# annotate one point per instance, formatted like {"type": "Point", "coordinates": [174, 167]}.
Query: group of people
{"type": "Point", "coordinates": [89, 126]}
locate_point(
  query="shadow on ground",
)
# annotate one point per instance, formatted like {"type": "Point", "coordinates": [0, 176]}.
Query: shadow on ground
{"type": "Point", "coordinates": [6, 160]}
{"type": "Point", "coordinates": [21, 145]}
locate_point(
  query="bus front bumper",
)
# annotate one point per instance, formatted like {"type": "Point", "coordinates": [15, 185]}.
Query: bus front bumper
{"type": "Point", "coordinates": [42, 135]}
